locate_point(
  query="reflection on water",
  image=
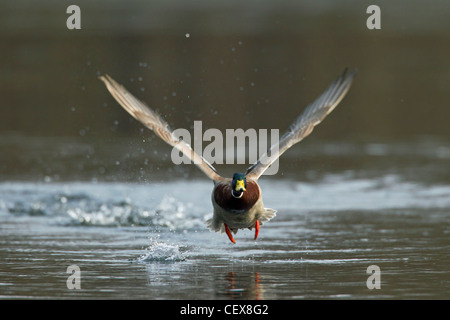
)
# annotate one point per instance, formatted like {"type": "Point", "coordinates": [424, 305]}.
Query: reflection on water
{"type": "Point", "coordinates": [243, 286]}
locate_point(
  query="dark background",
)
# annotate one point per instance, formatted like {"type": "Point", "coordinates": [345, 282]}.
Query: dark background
{"type": "Point", "coordinates": [245, 64]}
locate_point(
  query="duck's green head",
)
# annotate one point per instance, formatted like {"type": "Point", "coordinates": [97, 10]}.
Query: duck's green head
{"type": "Point", "coordinates": [239, 185]}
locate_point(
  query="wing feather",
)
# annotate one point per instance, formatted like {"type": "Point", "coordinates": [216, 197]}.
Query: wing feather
{"type": "Point", "coordinates": [155, 122]}
{"type": "Point", "coordinates": [305, 123]}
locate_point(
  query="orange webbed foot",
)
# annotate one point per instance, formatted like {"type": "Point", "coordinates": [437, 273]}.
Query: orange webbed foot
{"type": "Point", "coordinates": [256, 229]}
{"type": "Point", "coordinates": [228, 232]}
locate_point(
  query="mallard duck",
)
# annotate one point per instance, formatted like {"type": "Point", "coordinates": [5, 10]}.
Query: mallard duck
{"type": "Point", "coordinates": [237, 201]}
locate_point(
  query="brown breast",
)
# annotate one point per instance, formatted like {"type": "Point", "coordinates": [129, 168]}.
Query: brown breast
{"type": "Point", "coordinates": [223, 197]}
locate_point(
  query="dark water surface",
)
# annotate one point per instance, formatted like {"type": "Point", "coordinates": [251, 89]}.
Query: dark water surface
{"type": "Point", "coordinates": [148, 240]}
{"type": "Point", "coordinates": [83, 184]}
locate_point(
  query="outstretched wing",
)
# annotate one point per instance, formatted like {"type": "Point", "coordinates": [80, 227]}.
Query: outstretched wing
{"type": "Point", "coordinates": [305, 123]}
{"type": "Point", "coordinates": [153, 121]}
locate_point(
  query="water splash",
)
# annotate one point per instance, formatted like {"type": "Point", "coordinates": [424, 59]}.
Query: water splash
{"type": "Point", "coordinates": [169, 213]}
{"type": "Point", "coordinates": [107, 215]}
{"type": "Point", "coordinates": [162, 252]}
